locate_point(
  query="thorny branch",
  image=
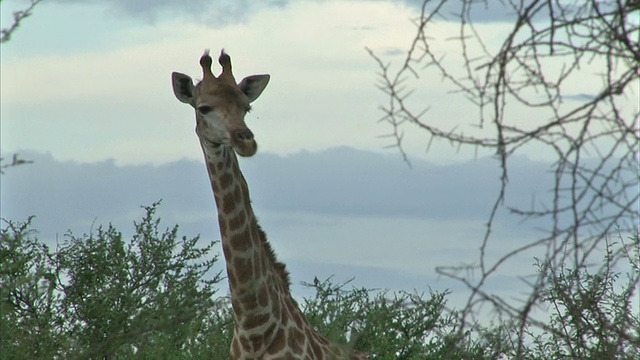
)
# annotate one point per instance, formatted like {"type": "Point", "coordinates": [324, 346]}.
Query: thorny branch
{"type": "Point", "coordinates": [593, 138]}
{"type": "Point", "coordinates": [15, 161]}
{"type": "Point", "coordinates": [18, 17]}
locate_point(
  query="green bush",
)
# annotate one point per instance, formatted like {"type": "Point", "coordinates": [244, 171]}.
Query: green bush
{"type": "Point", "coordinates": [99, 296]}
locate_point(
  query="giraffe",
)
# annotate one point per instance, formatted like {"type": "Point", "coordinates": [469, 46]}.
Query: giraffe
{"type": "Point", "coordinates": [268, 323]}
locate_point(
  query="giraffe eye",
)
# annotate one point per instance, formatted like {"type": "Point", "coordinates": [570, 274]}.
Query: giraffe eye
{"type": "Point", "coordinates": [204, 109]}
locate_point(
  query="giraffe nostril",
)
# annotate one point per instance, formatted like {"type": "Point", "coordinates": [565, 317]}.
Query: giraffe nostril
{"type": "Point", "coordinates": [244, 135]}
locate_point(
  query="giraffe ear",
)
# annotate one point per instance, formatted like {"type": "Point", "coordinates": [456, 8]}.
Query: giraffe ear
{"type": "Point", "coordinates": [253, 85]}
{"type": "Point", "coordinates": [182, 87]}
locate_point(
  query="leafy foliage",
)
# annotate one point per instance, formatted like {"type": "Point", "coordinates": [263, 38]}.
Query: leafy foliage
{"type": "Point", "coordinates": [593, 313]}
{"type": "Point", "coordinates": [99, 296]}
{"type": "Point", "coordinates": [30, 323]}
{"type": "Point", "coordinates": [385, 325]}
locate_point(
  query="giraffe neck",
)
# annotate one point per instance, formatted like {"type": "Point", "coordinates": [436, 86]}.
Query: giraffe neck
{"type": "Point", "coordinates": [256, 280]}
{"type": "Point", "coordinates": [268, 322]}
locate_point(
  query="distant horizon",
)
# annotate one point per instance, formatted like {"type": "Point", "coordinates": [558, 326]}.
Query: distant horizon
{"type": "Point", "coordinates": [318, 224]}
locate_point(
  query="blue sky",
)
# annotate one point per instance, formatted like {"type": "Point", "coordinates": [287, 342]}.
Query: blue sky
{"type": "Point", "coordinates": [86, 94]}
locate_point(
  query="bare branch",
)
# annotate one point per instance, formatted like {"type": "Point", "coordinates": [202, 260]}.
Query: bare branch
{"type": "Point", "coordinates": [18, 17]}
{"type": "Point", "coordinates": [551, 45]}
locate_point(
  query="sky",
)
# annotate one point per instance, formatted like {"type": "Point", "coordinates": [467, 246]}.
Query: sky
{"type": "Point", "coordinates": [86, 95]}
{"type": "Point", "coordinates": [99, 74]}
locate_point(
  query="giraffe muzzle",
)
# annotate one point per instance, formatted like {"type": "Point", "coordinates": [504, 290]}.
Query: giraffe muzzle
{"type": "Point", "coordinates": [244, 143]}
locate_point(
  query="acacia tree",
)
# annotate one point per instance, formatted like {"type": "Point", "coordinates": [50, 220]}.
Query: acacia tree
{"type": "Point", "coordinates": [103, 296]}
{"type": "Point", "coordinates": [562, 80]}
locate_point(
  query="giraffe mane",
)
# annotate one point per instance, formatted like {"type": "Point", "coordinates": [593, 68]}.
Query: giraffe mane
{"type": "Point", "coordinates": [278, 266]}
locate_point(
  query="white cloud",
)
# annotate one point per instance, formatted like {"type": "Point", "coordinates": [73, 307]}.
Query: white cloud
{"type": "Point", "coordinates": [214, 13]}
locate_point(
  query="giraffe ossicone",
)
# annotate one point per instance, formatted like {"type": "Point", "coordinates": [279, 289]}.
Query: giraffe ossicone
{"type": "Point", "coordinates": [268, 323]}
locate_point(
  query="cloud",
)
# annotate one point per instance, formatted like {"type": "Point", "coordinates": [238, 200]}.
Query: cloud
{"type": "Point", "coordinates": [352, 182]}
{"type": "Point", "coordinates": [220, 13]}
{"type": "Point", "coordinates": [332, 189]}
{"type": "Point", "coordinates": [332, 184]}
{"type": "Point", "coordinates": [214, 13]}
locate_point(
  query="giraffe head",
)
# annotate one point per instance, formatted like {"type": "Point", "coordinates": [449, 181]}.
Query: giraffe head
{"type": "Point", "coordinates": [221, 104]}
